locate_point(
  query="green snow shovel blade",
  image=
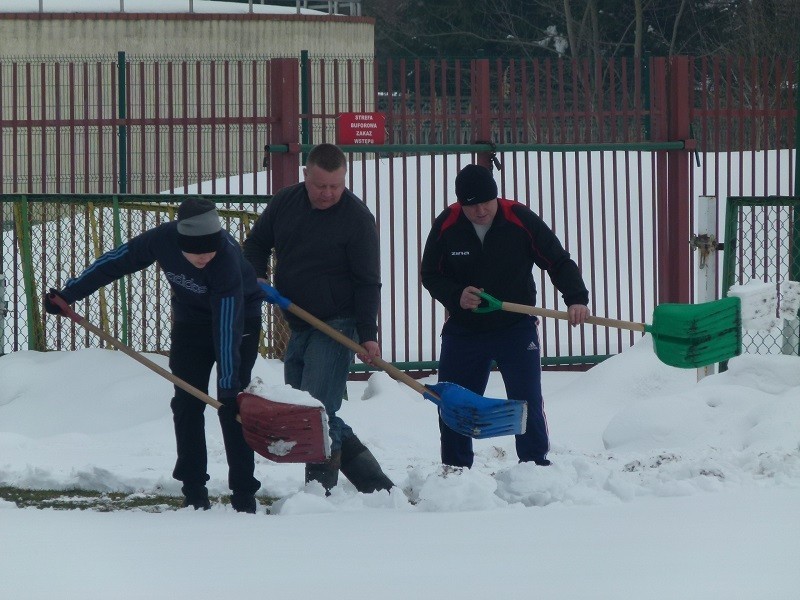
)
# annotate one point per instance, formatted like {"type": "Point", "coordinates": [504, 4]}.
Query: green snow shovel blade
{"type": "Point", "coordinates": [696, 335]}
{"type": "Point", "coordinates": [462, 410]}
{"type": "Point", "coordinates": [687, 336]}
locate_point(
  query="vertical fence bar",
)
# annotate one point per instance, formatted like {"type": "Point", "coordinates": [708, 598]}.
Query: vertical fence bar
{"type": "Point", "coordinates": [3, 313]}
{"type": "Point", "coordinates": [171, 126]}
{"type": "Point", "coordinates": [198, 114]}
{"type": "Point", "coordinates": [14, 127]}
{"type": "Point", "coordinates": [158, 124]}
{"type": "Point", "coordinates": [122, 129]}
{"type": "Point", "coordinates": [213, 107]}
{"type": "Point", "coordinates": [43, 116]}
{"type": "Point", "coordinates": [23, 224]}
{"type": "Point", "coordinates": [254, 108]}
{"type": "Point", "coordinates": [123, 303]}
{"type": "Point", "coordinates": [227, 128]}
{"type": "Point", "coordinates": [185, 123]}
{"type": "Point", "coordinates": [100, 146]}
{"type": "Point", "coordinates": [58, 123]}
{"type": "Point", "coordinates": [305, 102]}
{"type": "Point", "coordinates": [142, 128]}
{"type": "Point", "coordinates": [114, 154]}
{"type": "Point", "coordinates": [241, 129]}
{"type": "Point", "coordinates": [29, 128]}
{"type": "Point", "coordinates": [2, 142]}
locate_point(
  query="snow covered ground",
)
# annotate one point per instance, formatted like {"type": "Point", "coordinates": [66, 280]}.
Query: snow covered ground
{"type": "Point", "coordinates": [661, 488]}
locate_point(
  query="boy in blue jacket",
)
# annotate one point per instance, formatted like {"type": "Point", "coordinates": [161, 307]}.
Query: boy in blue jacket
{"type": "Point", "coordinates": [216, 318]}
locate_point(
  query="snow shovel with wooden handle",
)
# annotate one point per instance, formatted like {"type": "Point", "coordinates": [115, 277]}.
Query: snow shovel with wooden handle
{"type": "Point", "coordinates": [687, 336]}
{"type": "Point", "coordinates": [462, 410]}
{"type": "Point", "coordinates": [279, 431]}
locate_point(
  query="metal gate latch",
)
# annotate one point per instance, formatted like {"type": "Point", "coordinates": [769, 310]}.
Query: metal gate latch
{"type": "Point", "coordinates": [706, 243]}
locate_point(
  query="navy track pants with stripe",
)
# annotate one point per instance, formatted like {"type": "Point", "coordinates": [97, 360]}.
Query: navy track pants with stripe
{"type": "Point", "coordinates": [466, 359]}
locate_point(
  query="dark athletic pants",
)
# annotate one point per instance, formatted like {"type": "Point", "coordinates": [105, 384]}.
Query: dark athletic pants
{"type": "Point", "coordinates": [191, 358]}
{"type": "Point", "coordinates": [466, 358]}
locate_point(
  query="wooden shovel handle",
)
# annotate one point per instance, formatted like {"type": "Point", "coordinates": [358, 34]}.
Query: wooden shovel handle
{"type": "Point", "coordinates": [558, 314]}
{"type": "Point", "coordinates": [67, 310]}
{"type": "Point", "coordinates": [389, 368]}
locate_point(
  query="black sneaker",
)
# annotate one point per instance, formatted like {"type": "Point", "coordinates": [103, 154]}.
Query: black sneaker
{"type": "Point", "coordinates": [196, 503]}
{"type": "Point", "coordinates": [244, 503]}
{"type": "Point", "coordinates": [542, 462]}
{"type": "Point", "coordinates": [197, 498]}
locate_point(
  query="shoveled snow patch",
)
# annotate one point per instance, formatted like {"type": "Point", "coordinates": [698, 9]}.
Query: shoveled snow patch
{"type": "Point", "coordinates": [789, 300]}
{"type": "Point", "coordinates": [283, 393]}
{"type": "Point", "coordinates": [281, 447]}
{"type": "Point", "coordinates": [759, 304]}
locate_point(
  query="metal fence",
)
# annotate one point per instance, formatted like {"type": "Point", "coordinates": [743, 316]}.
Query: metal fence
{"type": "Point", "coordinates": [763, 245]}
{"type": "Point", "coordinates": [57, 237]}
{"type": "Point", "coordinates": [611, 154]}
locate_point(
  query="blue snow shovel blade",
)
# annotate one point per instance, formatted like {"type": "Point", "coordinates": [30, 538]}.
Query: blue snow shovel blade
{"type": "Point", "coordinates": [476, 416]}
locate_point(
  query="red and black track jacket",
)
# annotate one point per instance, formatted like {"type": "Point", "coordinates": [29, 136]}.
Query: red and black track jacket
{"type": "Point", "coordinates": [502, 266]}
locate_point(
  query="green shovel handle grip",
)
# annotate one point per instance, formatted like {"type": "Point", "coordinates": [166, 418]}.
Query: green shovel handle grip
{"type": "Point", "coordinates": [492, 304]}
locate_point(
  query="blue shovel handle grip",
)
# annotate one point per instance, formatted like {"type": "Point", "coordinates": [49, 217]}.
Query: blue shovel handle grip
{"type": "Point", "coordinates": [273, 296]}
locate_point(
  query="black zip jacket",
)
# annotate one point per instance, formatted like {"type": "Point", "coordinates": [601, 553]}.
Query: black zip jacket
{"type": "Point", "coordinates": [222, 294]}
{"type": "Point", "coordinates": [327, 261]}
{"type": "Point", "coordinates": [517, 239]}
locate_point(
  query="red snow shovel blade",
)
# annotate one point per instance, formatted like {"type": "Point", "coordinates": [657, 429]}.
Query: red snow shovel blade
{"type": "Point", "coordinates": [282, 432]}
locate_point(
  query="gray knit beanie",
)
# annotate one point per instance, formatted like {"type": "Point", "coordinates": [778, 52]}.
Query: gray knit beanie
{"type": "Point", "coordinates": [199, 229]}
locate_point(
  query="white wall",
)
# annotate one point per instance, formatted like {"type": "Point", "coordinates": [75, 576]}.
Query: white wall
{"type": "Point", "coordinates": [186, 35]}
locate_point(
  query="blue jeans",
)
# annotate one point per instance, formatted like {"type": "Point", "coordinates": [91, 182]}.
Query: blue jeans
{"type": "Point", "coordinates": [466, 359]}
{"type": "Point", "coordinates": [316, 363]}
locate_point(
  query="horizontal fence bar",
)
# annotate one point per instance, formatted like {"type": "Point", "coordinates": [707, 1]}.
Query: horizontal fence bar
{"type": "Point", "coordinates": [433, 365]}
{"type": "Point", "coordinates": [459, 148]}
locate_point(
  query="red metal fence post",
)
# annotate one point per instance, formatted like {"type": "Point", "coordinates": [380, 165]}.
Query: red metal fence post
{"type": "Point", "coordinates": [284, 90]}
{"type": "Point", "coordinates": [481, 102]}
{"type": "Point", "coordinates": [679, 182]}
{"type": "Point", "coordinates": [669, 111]}
{"type": "Point", "coordinates": [658, 133]}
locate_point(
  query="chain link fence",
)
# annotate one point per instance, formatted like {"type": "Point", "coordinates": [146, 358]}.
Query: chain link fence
{"type": "Point", "coordinates": [762, 244]}
{"type": "Point", "coordinates": [47, 239]}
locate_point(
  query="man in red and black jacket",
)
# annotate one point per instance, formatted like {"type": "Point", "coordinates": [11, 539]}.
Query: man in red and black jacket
{"type": "Point", "coordinates": [486, 243]}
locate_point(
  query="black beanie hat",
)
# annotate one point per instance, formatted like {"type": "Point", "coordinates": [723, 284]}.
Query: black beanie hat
{"type": "Point", "coordinates": [474, 185]}
{"type": "Point", "coordinates": [198, 226]}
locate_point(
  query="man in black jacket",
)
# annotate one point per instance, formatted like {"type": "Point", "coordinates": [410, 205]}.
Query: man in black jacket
{"type": "Point", "coordinates": [328, 263]}
{"type": "Point", "coordinates": [486, 243]}
{"type": "Point", "coordinates": [216, 313]}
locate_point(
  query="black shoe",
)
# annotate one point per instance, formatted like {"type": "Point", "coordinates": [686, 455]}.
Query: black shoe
{"type": "Point", "coordinates": [197, 499]}
{"type": "Point", "coordinates": [327, 473]}
{"type": "Point", "coordinates": [542, 462]}
{"type": "Point", "coordinates": [361, 467]}
{"type": "Point", "coordinates": [245, 503]}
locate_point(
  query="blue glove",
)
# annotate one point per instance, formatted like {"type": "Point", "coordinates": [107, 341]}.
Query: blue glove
{"type": "Point", "coordinates": [273, 296]}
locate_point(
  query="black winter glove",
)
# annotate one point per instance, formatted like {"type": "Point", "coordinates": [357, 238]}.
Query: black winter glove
{"type": "Point", "coordinates": [50, 306]}
{"type": "Point", "coordinates": [229, 408]}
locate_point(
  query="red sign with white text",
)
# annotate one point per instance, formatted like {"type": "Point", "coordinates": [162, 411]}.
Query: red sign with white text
{"type": "Point", "coordinates": [361, 128]}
